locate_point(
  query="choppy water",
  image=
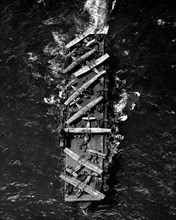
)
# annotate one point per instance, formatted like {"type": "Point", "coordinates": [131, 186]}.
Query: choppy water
{"type": "Point", "coordinates": [32, 36]}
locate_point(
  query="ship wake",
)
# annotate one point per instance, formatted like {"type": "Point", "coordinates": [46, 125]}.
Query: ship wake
{"type": "Point", "coordinates": [98, 16]}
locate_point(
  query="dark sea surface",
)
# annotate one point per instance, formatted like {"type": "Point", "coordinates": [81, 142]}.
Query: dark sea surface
{"type": "Point", "coordinates": [142, 48]}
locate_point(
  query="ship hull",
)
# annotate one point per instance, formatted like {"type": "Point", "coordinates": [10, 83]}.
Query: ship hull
{"type": "Point", "coordinates": [85, 129]}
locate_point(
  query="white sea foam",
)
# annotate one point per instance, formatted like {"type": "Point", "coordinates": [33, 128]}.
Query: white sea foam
{"type": "Point", "coordinates": [113, 5]}
{"type": "Point", "coordinates": [13, 198]}
{"type": "Point", "coordinates": [98, 16]}
{"type": "Point", "coordinates": [32, 57]}
{"type": "Point", "coordinates": [127, 101]}
{"type": "Point", "coordinates": [57, 49]}
{"type": "Point", "coordinates": [51, 21]}
{"type": "Point", "coordinates": [56, 64]}
{"type": "Point", "coordinates": [122, 103]}
{"type": "Point", "coordinates": [50, 100]}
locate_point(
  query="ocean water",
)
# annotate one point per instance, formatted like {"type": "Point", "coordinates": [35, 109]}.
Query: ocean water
{"type": "Point", "coordinates": [142, 44]}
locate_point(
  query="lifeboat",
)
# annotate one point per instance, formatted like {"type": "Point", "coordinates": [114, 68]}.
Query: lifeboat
{"type": "Point", "coordinates": [85, 130]}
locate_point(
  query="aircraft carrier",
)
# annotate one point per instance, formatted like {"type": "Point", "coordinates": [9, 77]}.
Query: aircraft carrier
{"type": "Point", "coordinates": [85, 131]}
